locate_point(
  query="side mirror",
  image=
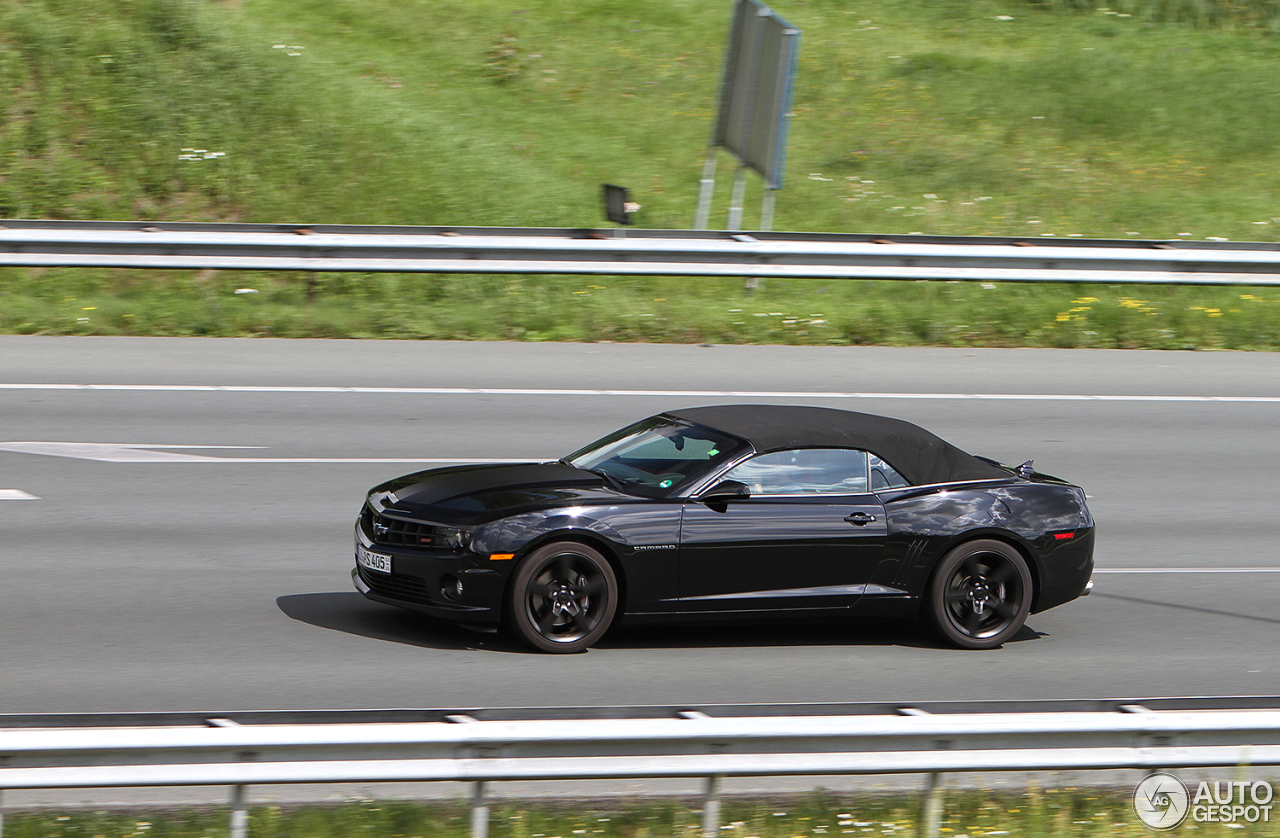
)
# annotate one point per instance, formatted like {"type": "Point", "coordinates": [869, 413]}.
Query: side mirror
{"type": "Point", "coordinates": [725, 490]}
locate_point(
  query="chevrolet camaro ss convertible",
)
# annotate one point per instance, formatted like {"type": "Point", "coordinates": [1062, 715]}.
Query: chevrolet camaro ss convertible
{"type": "Point", "coordinates": [731, 512]}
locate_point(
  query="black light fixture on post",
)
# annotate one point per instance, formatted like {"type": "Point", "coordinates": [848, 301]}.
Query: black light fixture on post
{"type": "Point", "coordinates": [618, 205]}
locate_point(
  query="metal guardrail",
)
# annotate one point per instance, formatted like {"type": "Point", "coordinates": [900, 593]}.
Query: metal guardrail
{"type": "Point", "coordinates": [9, 721]}
{"type": "Point", "coordinates": [474, 250]}
{"type": "Point", "coordinates": [622, 743]}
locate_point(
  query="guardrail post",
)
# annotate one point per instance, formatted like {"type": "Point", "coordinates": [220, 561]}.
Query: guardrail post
{"type": "Point", "coordinates": [479, 811]}
{"type": "Point", "coordinates": [711, 808]}
{"type": "Point", "coordinates": [931, 818]}
{"type": "Point", "coordinates": [239, 814]}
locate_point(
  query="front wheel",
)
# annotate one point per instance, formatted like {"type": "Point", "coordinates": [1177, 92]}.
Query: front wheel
{"type": "Point", "coordinates": [980, 595]}
{"type": "Point", "coordinates": [563, 597]}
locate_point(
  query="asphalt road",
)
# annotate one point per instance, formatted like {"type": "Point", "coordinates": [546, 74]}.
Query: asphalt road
{"type": "Point", "coordinates": [218, 578]}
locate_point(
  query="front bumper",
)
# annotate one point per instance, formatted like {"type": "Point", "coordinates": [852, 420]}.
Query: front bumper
{"type": "Point", "coordinates": [456, 587]}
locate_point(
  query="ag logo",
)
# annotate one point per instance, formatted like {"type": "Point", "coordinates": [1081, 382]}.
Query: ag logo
{"type": "Point", "coordinates": [1161, 801]}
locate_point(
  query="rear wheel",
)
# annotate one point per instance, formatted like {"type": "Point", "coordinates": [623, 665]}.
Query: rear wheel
{"type": "Point", "coordinates": [980, 595]}
{"type": "Point", "coordinates": [563, 597]}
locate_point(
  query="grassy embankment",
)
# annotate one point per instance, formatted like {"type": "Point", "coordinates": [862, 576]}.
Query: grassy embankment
{"type": "Point", "coordinates": [955, 117]}
{"type": "Point", "coordinates": [1066, 813]}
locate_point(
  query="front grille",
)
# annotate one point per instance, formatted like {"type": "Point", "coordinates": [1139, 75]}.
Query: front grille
{"type": "Point", "coordinates": [394, 532]}
{"type": "Point", "coordinates": [396, 585]}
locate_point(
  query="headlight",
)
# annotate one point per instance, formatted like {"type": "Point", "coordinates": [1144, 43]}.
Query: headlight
{"type": "Point", "coordinates": [453, 539]}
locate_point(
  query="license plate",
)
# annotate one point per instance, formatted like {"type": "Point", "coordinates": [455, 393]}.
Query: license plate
{"type": "Point", "coordinates": [373, 561]}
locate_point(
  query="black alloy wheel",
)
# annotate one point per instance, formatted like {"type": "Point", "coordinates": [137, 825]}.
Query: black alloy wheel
{"type": "Point", "coordinates": [563, 597]}
{"type": "Point", "coordinates": [980, 595]}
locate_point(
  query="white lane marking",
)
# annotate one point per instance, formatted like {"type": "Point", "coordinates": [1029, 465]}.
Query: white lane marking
{"type": "Point", "coordinates": [1096, 571]}
{"type": "Point", "coordinates": [700, 394]}
{"type": "Point", "coordinates": [16, 494]}
{"type": "Point", "coordinates": [135, 452]}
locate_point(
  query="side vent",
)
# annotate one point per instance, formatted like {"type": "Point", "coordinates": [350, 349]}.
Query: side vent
{"type": "Point", "coordinates": [908, 561]}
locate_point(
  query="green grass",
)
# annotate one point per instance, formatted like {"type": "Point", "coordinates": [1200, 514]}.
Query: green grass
{"type": "Point", "coordinates": [650, 310]}
{"type": "Point", "coordinates": [1258, 15]}
{"type": "Point", "coordinates": [1001, 117]}
{"type": "Point", "coordinates": [1052, 813]}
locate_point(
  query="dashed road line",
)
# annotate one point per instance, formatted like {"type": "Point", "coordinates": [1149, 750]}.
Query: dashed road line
{"type": "Point", "coordinates": [135, 452]}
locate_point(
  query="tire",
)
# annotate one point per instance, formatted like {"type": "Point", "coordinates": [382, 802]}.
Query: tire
{"type": "Point", "coordinates": [980, 595]}
{"type": "Point", "coordinates": [562, 598]}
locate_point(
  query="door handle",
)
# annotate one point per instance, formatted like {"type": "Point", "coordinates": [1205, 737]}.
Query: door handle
{"type": "Point", "coordinates": [859, 519]}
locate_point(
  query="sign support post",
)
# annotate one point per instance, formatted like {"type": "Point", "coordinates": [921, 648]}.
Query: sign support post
{"type": "Point", "coordinates": [703, 217]}
{"type": "Point", "coordinates": [754, 111]}
{"type": "Point", "coordinates": [738, 199]}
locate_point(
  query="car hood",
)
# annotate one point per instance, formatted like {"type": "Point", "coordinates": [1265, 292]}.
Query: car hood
{"type": "Point", "coordinates": [484, 492]}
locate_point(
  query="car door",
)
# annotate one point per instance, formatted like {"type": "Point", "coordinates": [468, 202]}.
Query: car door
{"type": "Point", "coordinates": [807, 536]}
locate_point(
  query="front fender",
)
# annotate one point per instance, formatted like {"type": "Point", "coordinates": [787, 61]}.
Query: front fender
{"type": "Point", "coordinates": [641, 540]}
{"type": "Point", "coordinates": [524, 532]}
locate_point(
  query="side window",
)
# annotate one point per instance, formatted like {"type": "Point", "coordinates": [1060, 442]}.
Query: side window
{"type": "Point", "coordinates": [805, 471]}
{"type": "Point", "coordinates": [883, 475]}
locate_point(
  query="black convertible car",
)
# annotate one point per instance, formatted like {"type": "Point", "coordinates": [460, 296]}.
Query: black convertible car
{"type": "Point", "coordinates": [731, 512]}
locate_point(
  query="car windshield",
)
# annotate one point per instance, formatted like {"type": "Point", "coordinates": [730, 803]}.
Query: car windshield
{"type": "Point", "coordinates": [656, 457]}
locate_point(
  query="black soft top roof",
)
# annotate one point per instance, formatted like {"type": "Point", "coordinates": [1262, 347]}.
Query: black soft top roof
{"type": "Point", "coordinates": [917, 454]}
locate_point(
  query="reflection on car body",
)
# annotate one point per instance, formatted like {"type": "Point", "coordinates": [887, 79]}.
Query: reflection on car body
{"type": "Point", "coordinates": [731, 512]}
